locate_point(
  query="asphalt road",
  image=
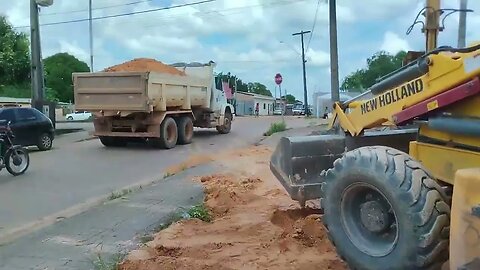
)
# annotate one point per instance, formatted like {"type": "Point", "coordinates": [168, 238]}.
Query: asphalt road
{"type": "Point", "coordinates": [74, 172]}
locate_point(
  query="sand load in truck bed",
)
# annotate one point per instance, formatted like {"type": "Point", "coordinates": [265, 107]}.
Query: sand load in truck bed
{"type": "Point", "coordinates": [143, 85]}
{"type": "Point", "coordinates": [145, 65]}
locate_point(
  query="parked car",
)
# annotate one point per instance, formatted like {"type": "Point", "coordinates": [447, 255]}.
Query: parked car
{"type": "Point", "coordinates": [78, 116]}
{"type": "Point", "coordinates": [299, 110]}
{"type": "Point", "coordinates": [29, 126]}
{"type": "Point", "coordinates": [277, 111]}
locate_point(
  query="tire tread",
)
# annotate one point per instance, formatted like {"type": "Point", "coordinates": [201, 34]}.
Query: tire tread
{"type": "Point", "coordinates": [427, 199]}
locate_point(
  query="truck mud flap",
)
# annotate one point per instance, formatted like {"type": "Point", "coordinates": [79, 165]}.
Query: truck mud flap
{"type": "Point", "coordinates": [299, 163]}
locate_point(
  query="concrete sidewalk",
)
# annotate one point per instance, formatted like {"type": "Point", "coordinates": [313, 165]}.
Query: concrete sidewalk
{"type": "Point", "coordinates": [109, 229]}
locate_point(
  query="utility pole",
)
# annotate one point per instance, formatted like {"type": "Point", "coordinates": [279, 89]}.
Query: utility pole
{"type": "Point", "coordinates": [462, 27]}
{"type": "Point", "coordinates": [305, 94]}
{"type": "Point", "coordinates": [90, 22]}
{"type": "Point", "coordinates": [334, 83]}
{"type": "Point", "coordinates": [36, 61]}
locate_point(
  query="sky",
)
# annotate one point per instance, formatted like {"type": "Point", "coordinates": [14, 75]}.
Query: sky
{"type": "Point", "coordinates": [249, 38]}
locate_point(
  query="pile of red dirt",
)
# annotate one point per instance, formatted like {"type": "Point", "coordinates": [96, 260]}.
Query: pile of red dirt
{"type": "Point", "coordinates": [145, 65]}
{"type": "Point", "coordinates": [255, 226]}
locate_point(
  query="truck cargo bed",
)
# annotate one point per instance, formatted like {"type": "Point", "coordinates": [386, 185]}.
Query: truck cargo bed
{"type": "Point", "coordinates": [119, 91]}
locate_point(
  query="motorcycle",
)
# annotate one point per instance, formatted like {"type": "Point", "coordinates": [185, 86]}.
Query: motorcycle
{"type": "Point", "coordinates": [14, 158]}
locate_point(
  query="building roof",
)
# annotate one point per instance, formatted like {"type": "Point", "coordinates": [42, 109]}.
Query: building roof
{"type": "Point", "coordinates": [15, 100]}
{"type": "Point", "coordinates": [258, 96]}
{"type": "Point", "coordinates": [24, 101]}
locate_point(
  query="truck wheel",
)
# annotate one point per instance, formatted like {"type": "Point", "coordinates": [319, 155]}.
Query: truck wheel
{"type": "Point", "coordinates": [227, 126]}
{"type": "Point", "coordinates": [383, 209]}
{"type": "Point", "coordinates": [168, 134]}
{"type": "Point", "coordinates": [113, 141]}
{"type": "Point", "coordinates": [185, 130]}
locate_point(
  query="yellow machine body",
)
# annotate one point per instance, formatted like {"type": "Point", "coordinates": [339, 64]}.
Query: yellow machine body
{"type": "Point", "coordinates": [465, 220]}
{"type": "Point", "coordinates": [439, 94]}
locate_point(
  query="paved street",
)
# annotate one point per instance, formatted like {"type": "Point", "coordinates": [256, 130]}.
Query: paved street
{"type": "Point", "coordinates": [75, 173]}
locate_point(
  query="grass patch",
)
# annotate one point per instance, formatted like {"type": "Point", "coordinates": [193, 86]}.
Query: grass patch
{"type": "Point", "coordinates": [146, 238]}
{"type": "Point", "coordinates": [172, 218]}
{"type": "Point", "coordinates": [168, 174]}
{"type": "Point", "coordinates": [201, 212]}
{"type": "Point", "coordinates": [110, 263]}
{"type": "Point", "coordinates": [276, 127]}
{"type": "Point", "coordinates": [116, 195]}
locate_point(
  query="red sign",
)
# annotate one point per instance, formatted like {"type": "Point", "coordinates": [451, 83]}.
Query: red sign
{"type": "Point", "coordinates": [278, 79]}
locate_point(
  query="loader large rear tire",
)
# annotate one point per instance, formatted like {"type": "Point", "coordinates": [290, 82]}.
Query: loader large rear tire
{"type": "Point", "coordinates": [384, 211]}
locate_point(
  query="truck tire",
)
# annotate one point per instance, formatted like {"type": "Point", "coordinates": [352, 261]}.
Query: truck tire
{"type": "Point", "coordinates": [113, 141]}
{"type": "Point", "coordinates": [185, 130]}
{"type": "Point", "coordinates": [168, 134]}
{"type": "Point", "coordinates": [383, 210]}
{"type": "Point", "coordinates": [227, 126]}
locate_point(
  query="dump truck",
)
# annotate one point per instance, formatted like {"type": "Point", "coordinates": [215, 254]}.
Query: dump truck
{"type": "Point", "coordinates": [397, 172]}
{"type": "Point", "coordinates": [160, 108]}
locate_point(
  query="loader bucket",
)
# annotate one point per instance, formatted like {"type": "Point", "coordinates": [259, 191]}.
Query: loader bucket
{"type": "Point", "coordinates": [299, 163]}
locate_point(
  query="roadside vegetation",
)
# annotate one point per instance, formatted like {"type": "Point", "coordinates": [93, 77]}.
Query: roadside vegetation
{"type": "Point", "coordinates": [120, 194]}
{"type": "Point", "coordinates": [110, 263]}
{"type": "Point", "coordinates": [198, 211]}
{"type": "Point", "coordinates": [276, 127]}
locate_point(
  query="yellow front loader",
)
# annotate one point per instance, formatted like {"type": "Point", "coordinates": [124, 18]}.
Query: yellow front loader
{"type": "Point", "coordinates": [397, 172]}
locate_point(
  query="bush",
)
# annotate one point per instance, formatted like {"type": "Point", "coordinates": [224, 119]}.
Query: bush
{"type": "Point", "coordinates": [276, 127]}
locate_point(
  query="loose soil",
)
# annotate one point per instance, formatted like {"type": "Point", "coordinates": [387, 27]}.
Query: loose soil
{"type": "Point", "coordinates": [256, 226]}
{"type": "Point", "coordinates": [192, 161]}
{"type": "Point", "coordinates": [145, 65]}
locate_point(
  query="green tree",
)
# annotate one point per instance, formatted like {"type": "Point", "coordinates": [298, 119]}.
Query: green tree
{"type": "Point", "coordinates": [14, 55]}
{"type": "Point", "coordinates": [290, 99]}
{"type": "Point", "coordinates": [58, 75]}
{"type": "Point", "coordinates": [379, 65]}
{"type": "Point", "coordinates": [259, 88]}
{"type": "Point", "coordinates": [235, 83]}
{"type": "Point", "coordinates": [238, 85]}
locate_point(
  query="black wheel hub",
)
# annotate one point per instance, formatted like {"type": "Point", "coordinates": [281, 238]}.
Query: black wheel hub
{"type": "Point", "coordinates": [374, 216]}
{"type": "Point", "coordinates": [17, 160]}
{"type": "Point", "coordinates": [369, 220]}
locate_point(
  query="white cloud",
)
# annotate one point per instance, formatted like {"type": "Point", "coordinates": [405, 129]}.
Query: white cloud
{"type": "Point", "coordinates": [75, 50]}
{"type": "Point", "coordinates": [318, 58]}
{"type": "Point", "coordinates": [393, 43]}
{"type": "Point", "coordinates": [242, 36]}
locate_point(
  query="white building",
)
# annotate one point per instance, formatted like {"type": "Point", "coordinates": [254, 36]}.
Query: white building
{"type": "Point", "coordinates": [247, 102]}
{"type": "Point", "coordinates": [323, 101]}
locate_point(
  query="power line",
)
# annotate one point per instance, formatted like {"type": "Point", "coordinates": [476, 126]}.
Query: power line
{"type": "Point", "coordinates": [98, 8]}
{"type": "Point", "coordinates": [123, 14]}
{"type": "Point", "coordinates": [314, 24]}
{"type": "Point", "coordinates": [235, 10]}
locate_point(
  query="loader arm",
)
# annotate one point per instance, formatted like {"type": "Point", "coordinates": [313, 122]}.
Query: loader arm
{"type": "Point", "coordinates": [429, 76]}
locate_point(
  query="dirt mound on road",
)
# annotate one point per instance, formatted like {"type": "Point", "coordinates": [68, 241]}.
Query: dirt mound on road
{"type": "Point", "coordinates": [144, 65]}
{"type": "Point", "coordinates": [255, 226]}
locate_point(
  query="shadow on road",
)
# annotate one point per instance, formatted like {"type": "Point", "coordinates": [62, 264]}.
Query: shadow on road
{"type": "Point", "coordinates": [203, 133]}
